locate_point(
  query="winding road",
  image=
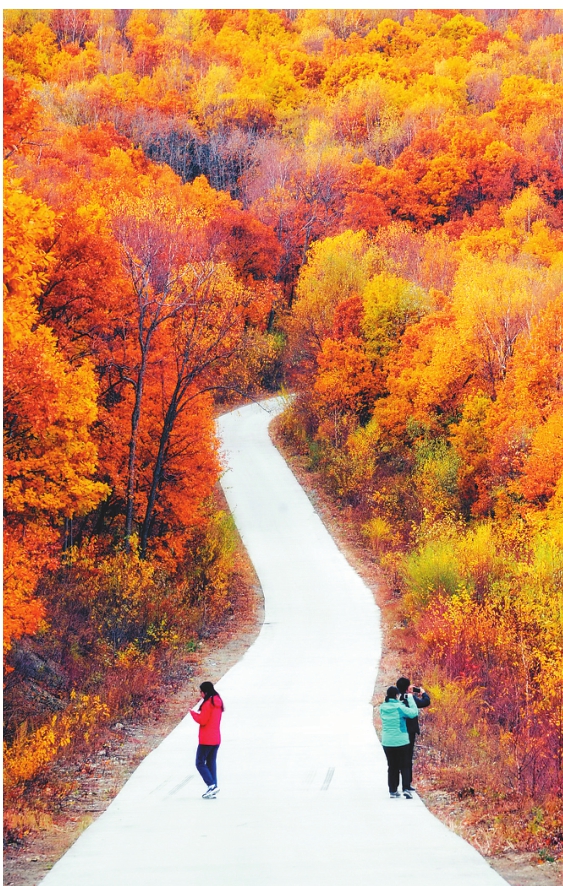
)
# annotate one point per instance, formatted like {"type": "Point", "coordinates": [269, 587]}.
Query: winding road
{"type": "Point", "coordinates": [303, 798]}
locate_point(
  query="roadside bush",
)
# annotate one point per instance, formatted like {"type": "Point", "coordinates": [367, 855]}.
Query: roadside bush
{"type": "Point", "coordinates": [458, 731]}
{"type": "Point", "coordinates": [494, 624]}
{"type": "Point", "coordinates": [379, 533]}
{"type": "Point", "coordinates": [433, 569]}
{"type": "Point", "coordinates": [436, 477]}
{"type": "Point", "coordinates": [31, 752]}
{"type": "Point", "coordinates": [207, 572]}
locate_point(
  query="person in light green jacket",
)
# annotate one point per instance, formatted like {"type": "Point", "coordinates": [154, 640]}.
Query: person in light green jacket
{"type": "Point", "coordinates": [395, 739]}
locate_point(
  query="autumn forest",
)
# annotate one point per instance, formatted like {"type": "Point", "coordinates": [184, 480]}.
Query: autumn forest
{"type": "Point", "coordinates": [361, 207]}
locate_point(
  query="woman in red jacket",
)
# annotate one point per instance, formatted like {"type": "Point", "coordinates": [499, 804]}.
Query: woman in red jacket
{"type": "Point", "coordinates": [208, 714]}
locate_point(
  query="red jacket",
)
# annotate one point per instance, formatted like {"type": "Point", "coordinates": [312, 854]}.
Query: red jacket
{"type": "Point", "coordinates": [209, 718]}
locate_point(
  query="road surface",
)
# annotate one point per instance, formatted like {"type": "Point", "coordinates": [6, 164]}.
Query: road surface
{"type": "Point", "coordinates": [303, 799]}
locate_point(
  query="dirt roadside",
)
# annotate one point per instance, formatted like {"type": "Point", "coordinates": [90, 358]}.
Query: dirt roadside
{"type": "Point", "coordinates": [98, 779]}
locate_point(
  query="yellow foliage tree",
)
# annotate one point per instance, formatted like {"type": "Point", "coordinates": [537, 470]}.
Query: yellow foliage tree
{"type": "Point", "coordinates": [337, 268]}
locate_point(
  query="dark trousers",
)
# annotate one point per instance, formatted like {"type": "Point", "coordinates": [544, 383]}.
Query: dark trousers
{"type": "Point", "coordinates": [398, 763]}
{"type": "Point", "coordinates": [410, 752]}
{"type": "Point", "coordinates": [206, 762]}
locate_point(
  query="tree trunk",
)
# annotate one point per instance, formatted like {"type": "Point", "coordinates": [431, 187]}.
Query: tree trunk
{"type": "Point", "coordinates": [132, 462]}
{"type": "Point", "coordinates": [169, 420]}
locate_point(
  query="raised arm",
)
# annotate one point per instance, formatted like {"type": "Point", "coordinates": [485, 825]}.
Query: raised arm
{"type": "Point", "coordinates": [423, 701]}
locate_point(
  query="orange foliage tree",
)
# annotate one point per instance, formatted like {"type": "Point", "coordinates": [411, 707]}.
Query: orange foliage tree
{"type": "Point", "coordinates": [49, 410]}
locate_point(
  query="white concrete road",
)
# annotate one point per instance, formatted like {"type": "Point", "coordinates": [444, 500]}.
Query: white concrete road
{"type": "Point", "coordinates": [303, 798]}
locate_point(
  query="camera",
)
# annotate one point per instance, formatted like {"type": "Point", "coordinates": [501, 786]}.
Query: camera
{"type": "Point", "coordinates": [416, 689]}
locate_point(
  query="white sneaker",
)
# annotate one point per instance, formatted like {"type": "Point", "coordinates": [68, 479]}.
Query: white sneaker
{"type": "Point", "coordinates": [211, 792]}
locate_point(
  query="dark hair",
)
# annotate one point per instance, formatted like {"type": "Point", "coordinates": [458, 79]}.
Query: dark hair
{"type": "Point", "coordinates": [403, 684]}
{"type": "Point", "coordinates": [210, 692]}
{"type": "Point", "coordinates": [392, 692]}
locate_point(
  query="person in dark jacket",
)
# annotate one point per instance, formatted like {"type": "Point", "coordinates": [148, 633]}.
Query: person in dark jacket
{"type": "Point", "coordinates": [422, 700]}
{"type": "Point", "coordinates": [395, 740]}
{"type": "Point", "coordinates": [208, 712]}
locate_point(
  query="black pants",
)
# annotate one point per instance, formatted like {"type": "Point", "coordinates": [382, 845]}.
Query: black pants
{"type": "Point", "coordinates": [410, 752]}
{"type": "Point", "coordinates": [398, 763]}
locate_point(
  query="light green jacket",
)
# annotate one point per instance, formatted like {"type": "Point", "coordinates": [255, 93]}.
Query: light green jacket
{"type": "Point", "coordinates": [393, 720]}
